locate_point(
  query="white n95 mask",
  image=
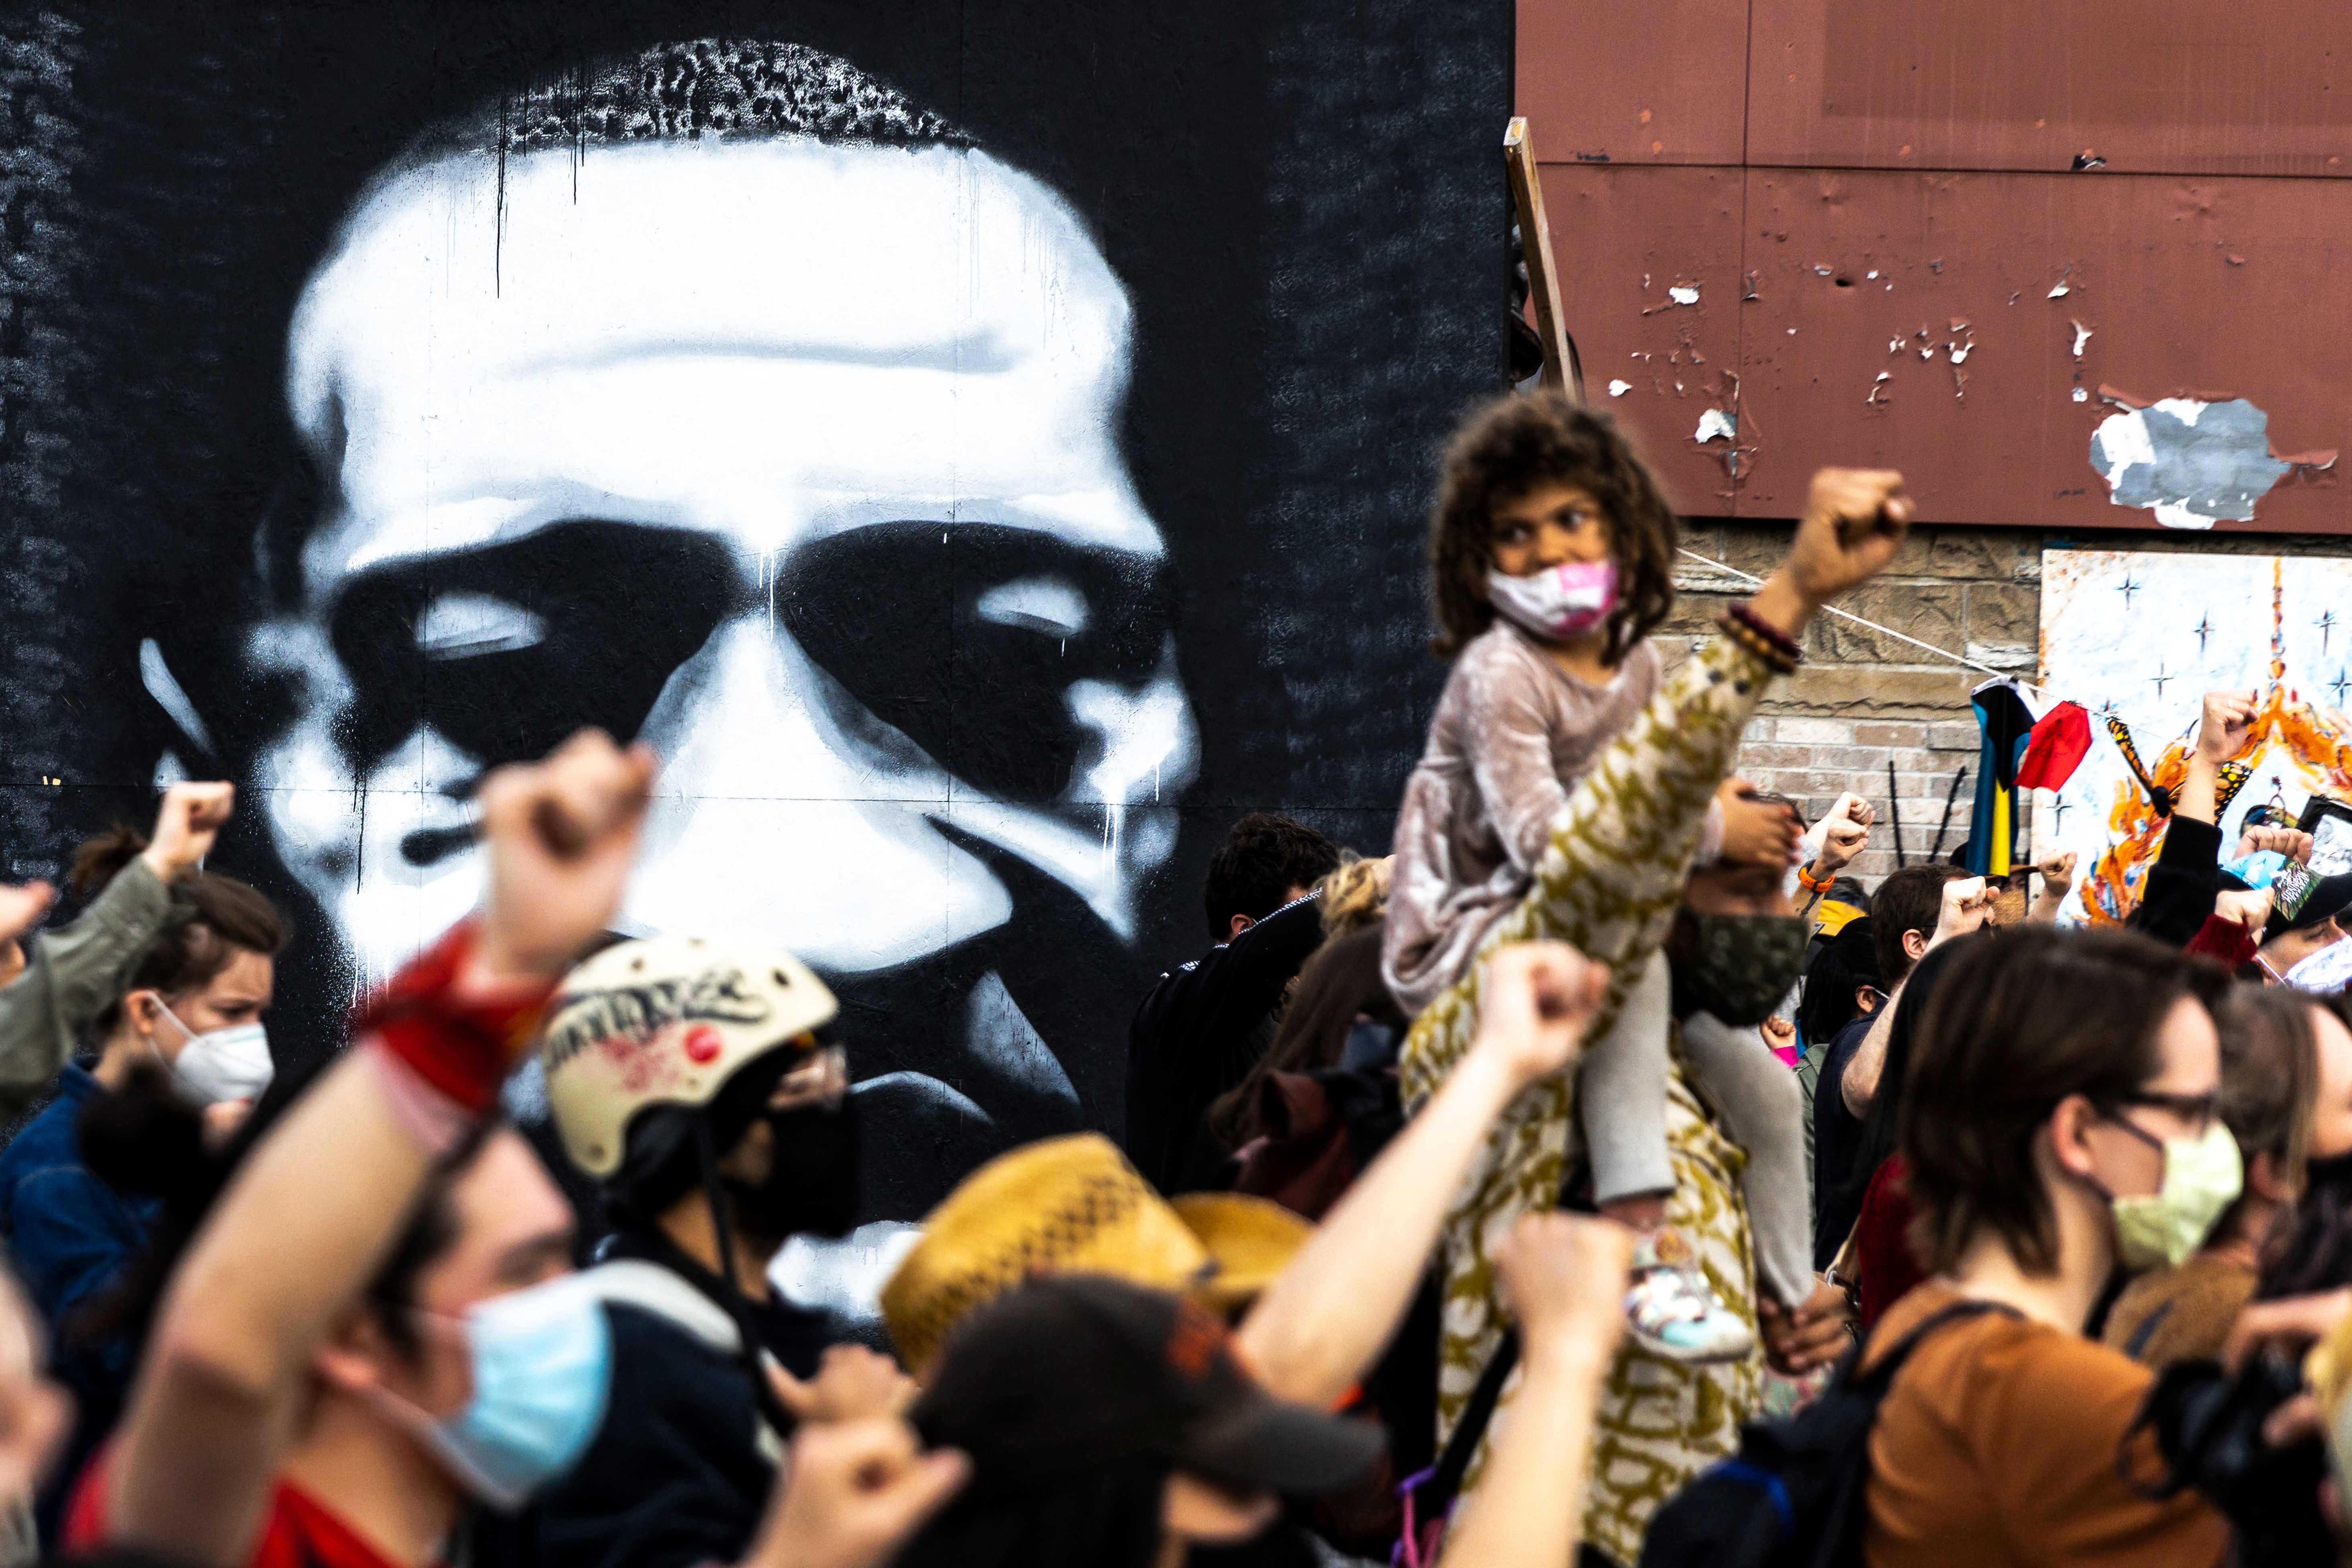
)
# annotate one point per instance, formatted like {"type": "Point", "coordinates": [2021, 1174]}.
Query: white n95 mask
{"type": "Point", "coordinates": [221, 1064]}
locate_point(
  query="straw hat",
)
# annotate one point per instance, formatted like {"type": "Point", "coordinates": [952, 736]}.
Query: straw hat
{"type": "Point", "coordinates": [1075, 1205]}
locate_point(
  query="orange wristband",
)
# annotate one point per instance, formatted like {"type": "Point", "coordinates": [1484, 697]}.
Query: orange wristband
{"type": "Point", "coordinates": [1806, 880]}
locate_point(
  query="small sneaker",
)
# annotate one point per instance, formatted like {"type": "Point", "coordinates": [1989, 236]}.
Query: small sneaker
{"type": "Point", "coordinates": [1672, 1310]}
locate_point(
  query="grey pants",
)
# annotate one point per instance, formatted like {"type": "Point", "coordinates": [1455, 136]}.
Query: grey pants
{"type": "Point", "coordinates": [1621, 1098]}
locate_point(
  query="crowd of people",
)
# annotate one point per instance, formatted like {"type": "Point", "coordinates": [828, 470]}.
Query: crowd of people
{"type": "Point", "coordinates": [1605, 1174]}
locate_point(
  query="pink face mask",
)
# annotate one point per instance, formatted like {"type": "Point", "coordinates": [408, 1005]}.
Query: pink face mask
{"type": "Point", "coordinates": [1559, 603]}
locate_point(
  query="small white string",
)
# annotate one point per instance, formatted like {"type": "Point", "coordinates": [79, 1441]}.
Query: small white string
{"type": "Point", "coordinates": [1873, 626]}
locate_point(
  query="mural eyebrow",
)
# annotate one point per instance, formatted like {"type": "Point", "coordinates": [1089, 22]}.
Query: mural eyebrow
{"type": "Point", "coordinates": [982, 352]}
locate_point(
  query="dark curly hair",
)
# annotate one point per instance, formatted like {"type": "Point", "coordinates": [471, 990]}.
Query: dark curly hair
{"type": "Point", "coordinates": [1263, 857]}
{"type": "Point", "coordinates": [1504, 449]}
{"type": "Point", "coordinates": [720, 89]}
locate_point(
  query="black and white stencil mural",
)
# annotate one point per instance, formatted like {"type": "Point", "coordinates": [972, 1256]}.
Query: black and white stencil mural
{"type": "Point", "coordinates": [982, 447]}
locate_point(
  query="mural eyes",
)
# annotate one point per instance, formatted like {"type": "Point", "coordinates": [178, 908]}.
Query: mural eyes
{"type": "Point", "coordinates": [507, 649]}
{"type": "Point", "coordinates": [1044, 604]}
{"type": "Point", "coordinates": [468, 625]}
{"type": "Point", "coordinates": [967, 639]}
{"type": "Point", "coordinates": [968, 644]}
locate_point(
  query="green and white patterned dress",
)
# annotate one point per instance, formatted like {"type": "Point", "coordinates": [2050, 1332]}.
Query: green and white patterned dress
{"type": "Point", "coordinates": [1608, 884]}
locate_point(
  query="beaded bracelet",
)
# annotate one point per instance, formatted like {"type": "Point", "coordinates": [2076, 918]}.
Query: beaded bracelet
{"type": "Point", "coordinates": [1766, 653]}
{"type": "Point", "coordinates": [1744, 614]}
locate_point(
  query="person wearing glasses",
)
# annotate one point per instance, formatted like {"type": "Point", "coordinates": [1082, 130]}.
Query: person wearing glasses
{"type": "Point", "coordinates": [2061, 1121]}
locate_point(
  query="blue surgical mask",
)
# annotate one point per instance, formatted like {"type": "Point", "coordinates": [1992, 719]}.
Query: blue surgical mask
{"type": "Point", "coordinates": [542, 1369]}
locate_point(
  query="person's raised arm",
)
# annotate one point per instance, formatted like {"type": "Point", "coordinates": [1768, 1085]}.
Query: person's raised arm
{"type": "Point", "coordinates": [2291, 843]}
{"type": "Point", "coordinates": [854, 1492]}
{"type": "Point", "coordinates": [1255, 965]}
{"type": "Point", "coordinates": [71, 975]}
{"type": "Point", "coordinates": [1757, 832]}
{"type": "Point", "coordinates": [1633, 823]}
{"type": "Point", "coordinates": [2221, 729]}
{"type": "Point", "coordinates": [1329, 1314]}
{"type": "Point", "coordinates": [2177, 900]}
{"type": "Point", "coordinates": [1855, 519]}
{"type": "Point", "coordinates": [1844, 833]}
{"type": "Point", "coordinates": [1967, 903]}
{"type": "Point", "coordinates": [21, 909]}
{"type": "Point", "coordinates": [308, 1217]}
{"type": "Point", "coordinates": [2057, 881]}
{"type": "Point", "coordinates": [1564, 1277]}
{"type": "Point", "coordinates": [1612, 875]}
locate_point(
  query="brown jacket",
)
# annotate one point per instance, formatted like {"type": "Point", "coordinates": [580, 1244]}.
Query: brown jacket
{"type": "Point", "coordinates": [1997, 1446]}
{"type": "Point", "coordinates": [2184, 1313]}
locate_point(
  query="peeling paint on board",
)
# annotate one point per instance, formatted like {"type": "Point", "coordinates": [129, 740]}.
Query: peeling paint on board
{"type": "Point", "coordinates": [1683, 295]}
{"type": "Point", "coordinates": [2193, 463]}
{"type": "Point", "coordinates": [1715, 423]}
{"type": "Point", "coordinates": [2125, 269]}
{"type": "Point", "coordinates": [1620, 388]}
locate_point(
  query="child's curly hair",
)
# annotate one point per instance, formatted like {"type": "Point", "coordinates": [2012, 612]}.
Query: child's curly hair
{"type": "Point", "coordinates": [1507, 447]}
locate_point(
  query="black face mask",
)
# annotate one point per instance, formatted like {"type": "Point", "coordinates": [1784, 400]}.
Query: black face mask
{"type": "Point", "coordinates": [1735, 967]}
{"type": "Point", "coordinates": [2329, 1176]}
{"type": "Point", "coordinates": [811, 1185]}
{"type": "Point", "coordinates": [2316, 1253]}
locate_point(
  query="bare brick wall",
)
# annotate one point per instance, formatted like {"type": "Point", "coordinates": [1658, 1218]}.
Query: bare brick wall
{"type": "Point", "coordinates": [1862, 700]}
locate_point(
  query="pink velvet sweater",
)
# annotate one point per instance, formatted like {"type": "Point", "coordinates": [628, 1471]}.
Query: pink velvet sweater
{"type": "Point", "coordinates": [1512, 734]}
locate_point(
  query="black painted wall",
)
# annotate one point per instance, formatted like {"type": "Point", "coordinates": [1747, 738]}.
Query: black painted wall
{"type": "Point", "coordinates": [1303, 201]}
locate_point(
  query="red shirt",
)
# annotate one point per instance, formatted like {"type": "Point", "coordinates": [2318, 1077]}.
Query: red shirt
{"type": "Point", "coordinates": [299, 1533]}
{"type": "Point", "coordinates": [1883, 1263]}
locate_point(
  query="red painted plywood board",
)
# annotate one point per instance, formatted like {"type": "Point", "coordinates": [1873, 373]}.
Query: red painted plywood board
{"type": "Point", "coordinates": [2150, 86]}
{"type": "Point", "coordinates": [1659, 83]}
{"type": "Point", "coordinates": [1622, 238]}
{"type": "Point", "coordinates": [2214, 289]}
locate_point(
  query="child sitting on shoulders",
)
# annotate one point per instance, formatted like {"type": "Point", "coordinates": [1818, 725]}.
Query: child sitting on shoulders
{"type": "Point", "coordinates": [1551, 552]}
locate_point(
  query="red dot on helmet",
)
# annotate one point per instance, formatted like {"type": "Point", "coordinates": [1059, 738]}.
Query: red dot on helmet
{"type": "Point", "coordinates": [702, 1045]}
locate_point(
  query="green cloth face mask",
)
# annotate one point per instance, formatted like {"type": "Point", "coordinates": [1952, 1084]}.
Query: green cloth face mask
{"type": "Point", "coordinates": [2203, 1176]}
{"type": "Point", "coordinates": [1736, 967]}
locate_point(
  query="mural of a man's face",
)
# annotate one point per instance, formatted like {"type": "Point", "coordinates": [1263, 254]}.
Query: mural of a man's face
{"type": "Point", "coordinates": [796, 458]}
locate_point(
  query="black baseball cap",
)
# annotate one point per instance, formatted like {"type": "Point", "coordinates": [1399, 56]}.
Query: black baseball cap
{"type": "Point", "coordinates": [1072, 1372]}
{"type": "Point", "coordinates": [2329, 897]}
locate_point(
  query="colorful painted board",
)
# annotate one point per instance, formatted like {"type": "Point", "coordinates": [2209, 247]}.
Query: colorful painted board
{"type": "Point", "coordinates": [2141, 637]}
